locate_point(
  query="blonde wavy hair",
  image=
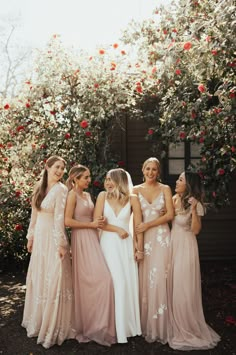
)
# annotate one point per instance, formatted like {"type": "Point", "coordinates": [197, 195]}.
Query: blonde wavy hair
{"type": "Point", "coordinates": [121, 190]}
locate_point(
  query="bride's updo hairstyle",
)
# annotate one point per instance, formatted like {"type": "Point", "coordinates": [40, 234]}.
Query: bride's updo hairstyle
{"type": "Point", "coordinates": [75, 173]}
{"type": "Point", "coordinates": [121, 190]}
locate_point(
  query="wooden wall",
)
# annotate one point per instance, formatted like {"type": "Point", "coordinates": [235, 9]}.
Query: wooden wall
{"type": "Point", "coordinates": [217, 239]}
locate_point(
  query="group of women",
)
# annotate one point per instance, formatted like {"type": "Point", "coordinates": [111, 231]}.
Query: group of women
{"type": "Point", "coordinates": [130, 274]}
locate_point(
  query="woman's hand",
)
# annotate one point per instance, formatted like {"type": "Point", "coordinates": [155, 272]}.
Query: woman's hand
{"type": "Point", "coordinates": [138, 255]}
{"type": "Point", "coordinates": [123, 234]}
{"type": "Point", "coordinates": [98, 222]}
{"type": "Point", "coordinates": [62, 252]}
{"type": "Point", "coordinates": [142, 227]}
{"type": "Point", "coordinates": [193, 202]}
{"type": "Point", "coordinates": [30, 245]}
{"type": "Point", "coordinates": [162, 212]}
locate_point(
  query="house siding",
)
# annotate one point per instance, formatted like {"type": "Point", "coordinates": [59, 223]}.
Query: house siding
{"type": "Point", "coordinates": [217, 239]}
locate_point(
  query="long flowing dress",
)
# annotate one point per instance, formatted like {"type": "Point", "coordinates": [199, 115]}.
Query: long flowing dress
{"type": "Point", "coordinates": [49, 296]}
{"type": "Point", "coordinates": [119, 256]}
{"type": "Point", "coordinates": [94, 308]}
{"type": "Point", "coordinates": [187, 329]}
{"type": "Point", "coordinates": [153, 273]}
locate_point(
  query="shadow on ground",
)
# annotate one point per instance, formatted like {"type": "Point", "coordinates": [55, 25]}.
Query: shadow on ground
{"type": "Point", "coordinates": [219, 300]}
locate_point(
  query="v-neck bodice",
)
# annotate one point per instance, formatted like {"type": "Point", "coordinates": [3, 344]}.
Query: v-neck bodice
{"type": "Point", "coordinates": [152, 210]}
{"type": "Point", "coordinates": [84, 208]}
{"type": "Point", "coordinates": [121, 219]}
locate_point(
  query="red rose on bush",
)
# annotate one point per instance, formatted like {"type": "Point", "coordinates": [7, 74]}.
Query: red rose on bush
{"type": "Point", "coordinates": [84, 124]}
{"type": "Point", "coordinates": [18, 193]}
{"type": "Point", "coordinates": [7, 106]}
{"type": "Point", "coordinates": [96, 183]}
{"type": "Point", "coordinates": [201, 88]}
{"type": "Point", "coordinates": [150, 132]}
{"type": "Point", "coordinates": [121, 163]}
{"type": "Point", "coordinates": [178, 72]}
{"type": "Point", "coordinates": [88, 134]}
{"type": "Point", "coordinates": [221, 171]}
{"type": "Point", "coordinates": [67, 135]}
{"type": "Point", "coordinates": [20, 128]}
{"type": "Point", "coordinates": [193, 114]}
{"type": "Point", "coordinates": [139, 87]}
{"type": "Point", "coordinates": [230, 320]}
{"type": "Point", "coordinates": [18, 227]}
{"type": "Point", "coordinates": [187, 46]}
{"type": "Point", "coordinates": [182, 135]}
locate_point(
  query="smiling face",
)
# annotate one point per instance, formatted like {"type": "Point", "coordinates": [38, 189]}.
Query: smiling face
{"type": "Point", "coordinates": [180, 184]}
{"type": "Point", "coordinates": [151, 172]}
{"type": "Point", "coordinates": [56, 171]}
{"type": "Point", "coordinates": [109, 183]}
{"type": "Point", "coordinates": [82, 182]}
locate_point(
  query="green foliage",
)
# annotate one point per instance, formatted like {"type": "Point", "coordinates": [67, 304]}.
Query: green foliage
{"type": "Point", "coordinates": [183, 83]}
{"type": "Point", "coordinates": [188, 87]}
{"type": "Point", "coordinates": [67, 107]}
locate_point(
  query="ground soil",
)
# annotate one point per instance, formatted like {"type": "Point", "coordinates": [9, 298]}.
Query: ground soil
{"type": "Point", "coordinates": [219, 300]}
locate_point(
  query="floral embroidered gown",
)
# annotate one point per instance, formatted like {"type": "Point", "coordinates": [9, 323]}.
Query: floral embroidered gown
{"type": "Point", "coordinates": [153, 273]}
{"type": "Point", "coordinates": [187, 328]}
{"type": "Point", "coordinates": [48, 301]}
{"type": "Point", "coordinates": [94, 308]}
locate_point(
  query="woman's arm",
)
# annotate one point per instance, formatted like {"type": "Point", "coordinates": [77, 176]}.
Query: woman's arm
{"type": "Point", "coordinates": [196, 222]}
{"type": "Point", "coordinates": [69, 213]}
{"type": "Point", "coordinates": [98, 212]}
{"type": "Point", "coordinates": [30, 233]}
{"type": "Point", "coordinates": [138, 237]}
{"type": "Point", "coordinates": [168, 216]}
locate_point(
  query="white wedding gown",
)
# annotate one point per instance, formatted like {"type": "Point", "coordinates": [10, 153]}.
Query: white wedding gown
{"type": "Point", "coordinates": [119, 256]}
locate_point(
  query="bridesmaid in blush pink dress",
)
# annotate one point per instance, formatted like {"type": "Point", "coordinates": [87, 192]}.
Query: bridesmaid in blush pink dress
{"type": "Point", "coordinates": [154, 199]}
{"type": "Point", "coordinates": [49, 296]}
{"type": "Point", "coordinates": [94, 309]}
{"type": "Point", "coordinates": [187, 328]}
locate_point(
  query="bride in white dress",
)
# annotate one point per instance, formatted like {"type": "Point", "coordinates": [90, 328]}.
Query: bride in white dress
{"type": "Point", "coordinates": [121, 250]}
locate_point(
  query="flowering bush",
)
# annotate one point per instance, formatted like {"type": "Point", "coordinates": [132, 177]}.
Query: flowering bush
{"type": "Point", "coordinates": [66, 107]}
{"type": "Point", "coordinates": [189, 85]}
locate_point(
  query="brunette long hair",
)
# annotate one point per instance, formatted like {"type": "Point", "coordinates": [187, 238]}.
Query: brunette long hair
{"type": "Point", "coordinates": [40, 189]}
{"type": "Point", "coordinates": [194, 189]}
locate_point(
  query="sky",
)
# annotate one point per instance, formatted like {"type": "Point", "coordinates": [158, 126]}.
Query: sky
{"type": "Point", "coordinates": [84, 24]}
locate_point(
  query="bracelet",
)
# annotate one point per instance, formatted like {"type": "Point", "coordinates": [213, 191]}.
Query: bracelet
{"type": "Point", "coordinates": [141, 252]}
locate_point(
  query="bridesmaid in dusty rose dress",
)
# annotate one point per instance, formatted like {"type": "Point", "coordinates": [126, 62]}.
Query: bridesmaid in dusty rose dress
{"type": "Point", "coordinates": [94, 309]}
{"type": "Point", "coordinates": [48, 302]}
{"type": "Point", "coordinates": [187, 328]}
{"type": "Point", "coordinates": [154, 198]}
